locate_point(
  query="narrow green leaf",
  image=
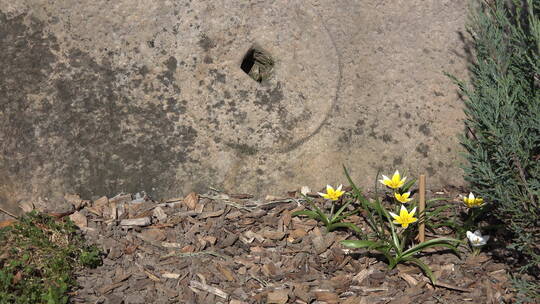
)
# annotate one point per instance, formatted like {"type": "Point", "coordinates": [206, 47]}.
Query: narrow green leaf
{"type": "Point", "coordinates": [429, 201]}
{"type": "Point", "coordinates": [311, 214]}
{"type": "Point", "coordinates": [357, 191]}
{"type": "Point", "coordinates": [351, 226]}
{"type": "Point", "coordinates": [361, 244]}
{"type": "Point", "coordinates": [425, 268]}
{"type": "Point", "coordinates": [442, 242]}
{"type": "Point", "coordinates": [408, 185]}
{"type": "Point", "coordinates": [340, 210]}
{"type": "Point", "coordinates": [346, 215]}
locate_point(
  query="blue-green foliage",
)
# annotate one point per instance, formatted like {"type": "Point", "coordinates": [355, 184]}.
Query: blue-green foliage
{"type": "Point", "coordinates": [502, 107]}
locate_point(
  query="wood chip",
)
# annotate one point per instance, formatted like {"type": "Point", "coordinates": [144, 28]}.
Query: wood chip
{"type": "Point", "coordinates": [277, 297]}
{"type": "Point", "coordinates": [172, 245]}
{"type": "Point", "coordinates": [151, 235]}
{"type": "Point", "coordinates": [169, 275]}
{"type": "Point", "coordinates": [241, 196]}
{"type": "Point", "coordinates": [409, 279]}
{"type": "Point", "coordinates": [210, 289]}
{"type": "Point", "coordinates": [79, 219]}
{"type": "Point", "coordinates": [159, 214]}
{"type": "Point", "coordinates": [114, 211]}
{"type": "Point", "coordinates": [355, 300]}
{"type": "Point", "coordinates": [191, 200]}
{"type": "Point", "coordinates": [226, 272]}
{"type": "Point", "coordinates": [121, 211]}
{"type": "Point", "coordinates": [141, 222]}
{"type": "Point", "coordinates": [326, 296]}
{"type": "Point", "coordinates": [75, 200]}
{"type": "Point", "coordinates": [105, 289]}
{"type": "Point", "coordinates": [273, 235]}
{"type": "Point", "coordinates": [363, 274]}
{"type": "Point", "coordinates": [205, 215]}
{"type": "Point", "coordinates": [101, 202]}
{"type": "Point", "coordinates": [120, 198]}
{"type": "Point", "coordinates": [122, 278]}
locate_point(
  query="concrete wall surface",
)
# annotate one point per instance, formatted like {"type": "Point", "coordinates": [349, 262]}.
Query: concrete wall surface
{"type": "Point", "coordinates": [99, 97]}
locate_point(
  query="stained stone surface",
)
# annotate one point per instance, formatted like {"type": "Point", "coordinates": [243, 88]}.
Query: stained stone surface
{"type": "Point", "coordinates": [99, 97]}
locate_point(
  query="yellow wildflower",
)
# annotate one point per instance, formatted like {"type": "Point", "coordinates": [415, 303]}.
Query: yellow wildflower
{"type": "Point", "coordinates": [332, 194]}
{"type": "Point", "coordinates": [473, 202]}
{"type": "Point", "coordinates": [404, 218]}
{"type": "Point", "coordinates": [395, 182]}
{"type": "Point", "coordinates": [403, 198]}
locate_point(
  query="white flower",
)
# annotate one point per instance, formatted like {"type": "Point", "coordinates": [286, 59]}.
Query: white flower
{"type": "Point", "coordinates": [476, 239]}
{"type": "Point", "coordinates": [305, 190]}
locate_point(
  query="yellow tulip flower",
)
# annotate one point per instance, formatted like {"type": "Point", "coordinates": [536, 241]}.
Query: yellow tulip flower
{"type": "Point", "coordinates": [404, 218]}
{"type": "Point", "coordinates": [403, 198]}
{"type": "Point", "coordinates": [395, 182]}
{"type": "Point", "coordinates": [473, 202]}
{"type": "Point", "coordinates": [332, 194]}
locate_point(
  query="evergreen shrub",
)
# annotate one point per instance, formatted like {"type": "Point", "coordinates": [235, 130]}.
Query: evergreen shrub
{"type": "Point", "coordinates": [502, 126]}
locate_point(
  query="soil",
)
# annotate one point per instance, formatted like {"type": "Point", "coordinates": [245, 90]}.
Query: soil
{"type": "Point", "coordinates": [233, 249]}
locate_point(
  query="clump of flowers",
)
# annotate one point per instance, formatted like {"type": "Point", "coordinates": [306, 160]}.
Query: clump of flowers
{"type": "Point", "coordinates": [391, 227]}
{"type": "Point", "coordinates": [391, 232]}
{"type": "Point", "coordinates": [332, 220]}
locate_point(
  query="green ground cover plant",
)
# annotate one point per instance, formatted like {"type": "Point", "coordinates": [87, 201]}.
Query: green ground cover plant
{"type": "Point", "coordinates": [38, 255]}
{"type": "Point", "coordinates": [502, 126]}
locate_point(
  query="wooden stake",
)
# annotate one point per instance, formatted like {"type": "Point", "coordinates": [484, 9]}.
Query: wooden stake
{"type": "Point", "coordinates": [421, 208]}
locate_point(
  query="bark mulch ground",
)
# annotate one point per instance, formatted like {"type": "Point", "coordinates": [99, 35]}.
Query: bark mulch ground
{"type": "Point", "coordinates": [233, 249]}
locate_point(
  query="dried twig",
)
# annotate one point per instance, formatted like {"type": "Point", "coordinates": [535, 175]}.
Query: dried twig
{"type": "Point", "coordinates": [9, 213]}
{"type": "Point", "coordinates": [449, 286]}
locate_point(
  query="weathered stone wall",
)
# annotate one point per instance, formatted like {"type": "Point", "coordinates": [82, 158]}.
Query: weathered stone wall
{"type": "Point", "coordinates": [99, 97]}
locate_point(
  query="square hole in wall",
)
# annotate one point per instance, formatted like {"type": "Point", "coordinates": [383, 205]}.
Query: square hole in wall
{"type": "Point", "coordinates": [258, 64]}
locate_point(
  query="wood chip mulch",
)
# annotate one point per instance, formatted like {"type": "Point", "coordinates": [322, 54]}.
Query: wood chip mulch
{"type": "Point", "coordinates": [233, 249]}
